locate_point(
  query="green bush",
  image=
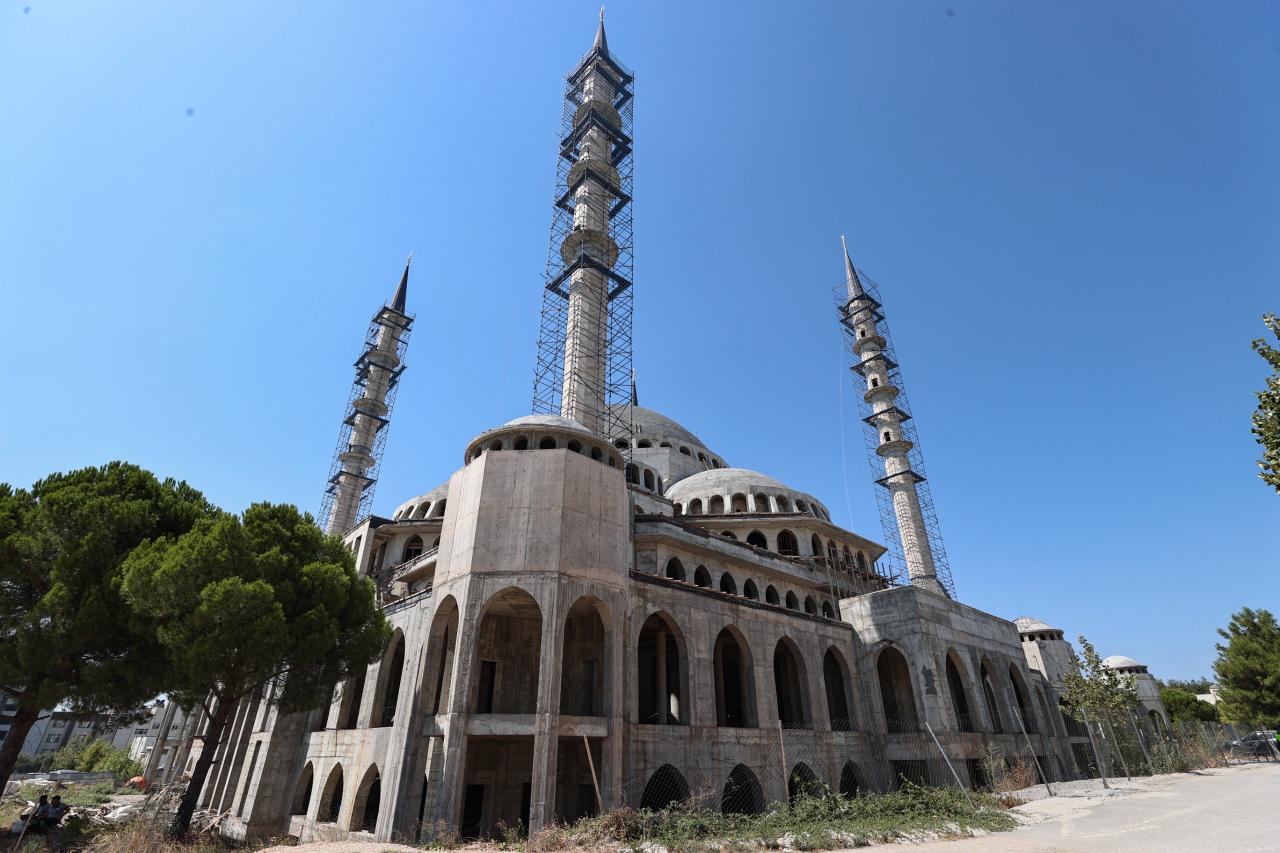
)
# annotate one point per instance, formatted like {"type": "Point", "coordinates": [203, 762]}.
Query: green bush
{"type": "Point", "coordinates": [94, 756]}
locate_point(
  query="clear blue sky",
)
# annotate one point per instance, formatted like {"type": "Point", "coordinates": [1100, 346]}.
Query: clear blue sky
{"type": "Point", "coordinates": [1072, 209]}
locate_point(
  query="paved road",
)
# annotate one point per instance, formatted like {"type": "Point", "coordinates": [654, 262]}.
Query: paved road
{"type": "Point", "coordinates": [1225, 811]}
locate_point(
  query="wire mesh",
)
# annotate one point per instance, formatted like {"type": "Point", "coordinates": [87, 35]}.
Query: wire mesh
{"type": "Point", "coordinates": [847, 311]}
{"type": "Point", "coordinates": [590, 260]}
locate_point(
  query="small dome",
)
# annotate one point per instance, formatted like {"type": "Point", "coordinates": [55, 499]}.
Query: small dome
{"type": "Point", "coordinates": [421, 502]}
{"type": "Point", "coordinates": [1027, 625]}
{"type": "Point", "coordinates": [1121, 662]}
{"type": "Point", "coordinates": [553, 421]}
{"type": "Point", "coordinates": [650, 424]}
{"type": "Point", "coordinates": [726, 482]}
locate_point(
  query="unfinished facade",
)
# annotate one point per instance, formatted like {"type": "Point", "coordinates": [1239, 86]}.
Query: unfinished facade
{"type": "Point", "coordinates": [597, 609]}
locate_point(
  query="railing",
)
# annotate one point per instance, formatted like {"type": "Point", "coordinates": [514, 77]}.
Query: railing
{"type": "Point", "coordinates": [401, 569]}
{"type": "Point", "coordinates": [908, 725]}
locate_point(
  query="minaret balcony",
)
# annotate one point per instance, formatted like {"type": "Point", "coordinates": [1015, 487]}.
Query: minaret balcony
{"type": "Point", "coordinates": [594, 244]}
{"type": "Point", "coordinates": [883, 393]}
{"type": "Point", "coordinates": [609, 179]}
{"type": "Point", "coordinates": [870, 342]}
{"type": "Point", "coordinates": [603, 109]}
{"type": "Point", "coordinates": [897, 447]}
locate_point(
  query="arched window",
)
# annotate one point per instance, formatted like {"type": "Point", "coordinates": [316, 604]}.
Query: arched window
{"type": "Point", "coordinates": [648, 479]}
{"type": "Point", "coordinates": [621, 444]}
{"type": "Point", "coordinates": [685, 450]}
{"type": "Point", "coordinates": [547, 443]}
{"type": "Point", "coordinates": [750, 590]}
{"type": "Point", "coordinates": [665, 787]}
{"type": "Point", "coordinates": [734, 684]}
{"type": "Point", "coordinates": [702, 458]}
{"type": "Point", "coordinates": [989, 694]}
{"type": "Point", "coordinates": [441, 640]}
{"type": "Point", "coordinates": [801, 506]}
{"type": "Point", "coordinates": [762, 502]}
{"type": "Point", "coordinates": [507, 646]}
{"type": "Point", "coordinates": [702, 577]}
{"type": "Point", "coordinates": [756, 538]}
{"type": "Point", "coordinates": [771, 595]}
{"type": "Point", "coordinates": [352, 698]}
{"type": "Point", "coordinates": [802, 783]}
{"type": "Point", "coordinates": [959, 696]}
{"type": "Point", "coordinates": [716, 506]}
{"type": "Point", "coordinates": [833, 555]}
{"type": "Point", "coordinates": [862, 562]}
{"type": "Point", "coordinates": [302, 790]}
{"type": "Point", "coordinates": [665, 444]}
{"type": "Point", "coordinates": [833, 678]}
{"type": "Point", "coordinates": [661, 673]}
{"type": "Point", "coordinates": [412, 549]}
{"type": "Point", "coordinates": [331, 802]}
{"type": "Point", "coordinates": [437, 509]}
{"type": "Point", "coordinates": [827, 610]}
{"type": "Point", "coordinates": [793, 602]}
{"type": "Point", "coordinates": [787, 544]}
{"type": "Point", "coordinates": [815, 545]}
{"type": "Point", "coordinates": [644, 442]}
{"type": "Point", "coordinates": [897, 697]}
{"type": "Point", "coordinates": [847, 556]}
{"type": "Point", "coordinates": [582, 663]}
{"type": "Point", "coordinates": [675, 569]}
{"type": "Point", "coordinates": [849, 780]}
{"type": "Point", "coordinates": [695, 506]}
{"type": "Point", "coordinates": [632, 473]}
{"type": "Point", "coordinates": [574, 445]}
{"type": "Point", "coordinates": [810, 605]}
{"type": "Point", "coordinates": [729, 534]}
{"type": "Point", "coordinates": [364, 814]}
{"type": "Point", "coordinates": [390, 673]}
{"type": "Point", "coordinates": [521, 443]}
{"type": "Point", "coordinates": [788, 683]}
{"type": "Point", "coordinates": [728, 585]}
{"type": "Point", "coordinates": [677, 509]}
{"type": "Point", "coordinates": [739, 503]}
{"type": "Point", "coordinates": [782, 503]}
{"type": "Point", "coordinates": [742, 793]}
{"type": "Point", "coordinates": [496, 445]}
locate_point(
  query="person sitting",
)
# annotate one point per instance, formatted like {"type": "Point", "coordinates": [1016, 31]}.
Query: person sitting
{"type": "Point", "coordinates": [50, 817]}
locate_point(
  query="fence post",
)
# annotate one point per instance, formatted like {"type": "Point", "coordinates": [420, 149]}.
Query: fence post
{"type": "Point", "coordinates": [1035, 758]}
{"type": "Point", "coordinates": [1133, 722]}
{"type": "Point", "coordinates": [954, 774]}
{"type": "Point", "coordinates": [1097, 756]}
{"type": "Point", "coordinates": [782, 751]}
{"type": "Point", "coordinates": [595, 783]}
{"type": "Point", "coordinates": [1116, 743]}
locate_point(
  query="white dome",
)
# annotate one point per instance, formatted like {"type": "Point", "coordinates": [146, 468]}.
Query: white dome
{"type": "Point", "coordinates": [421, 503]}
{"type": "Point", "coordinates": [726, 482]}
{"type": "Point", "coordinates": [553, 421]}
{"type": "Point", "coordinates": [1028, 625]}
{"type": "Point", "coordinates": [650, 424]}
{"type": "Point", "coordinates": [1121, 662]}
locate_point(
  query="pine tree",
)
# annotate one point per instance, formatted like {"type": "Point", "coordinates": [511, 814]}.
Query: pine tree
{"type": "Point", "coordinates": [1248, 669]}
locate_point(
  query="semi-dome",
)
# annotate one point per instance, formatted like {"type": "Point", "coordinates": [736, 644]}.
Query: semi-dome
{"type": "Point", "coordinates": [744, 486]}
{"type": "Point", "coordinates": [423, 506]}
{"type": "Point", "coordinates": [1122, 662]}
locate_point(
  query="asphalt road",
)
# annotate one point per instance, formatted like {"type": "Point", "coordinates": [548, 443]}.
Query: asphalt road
{"type": "Point", "coordinates": [1225, 811]}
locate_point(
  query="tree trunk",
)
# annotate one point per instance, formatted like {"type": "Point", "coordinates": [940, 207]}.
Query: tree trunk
{"type": "Point", "coordinates": [209, 747]}
{"type": "Point", "coordinates": [23, 720]}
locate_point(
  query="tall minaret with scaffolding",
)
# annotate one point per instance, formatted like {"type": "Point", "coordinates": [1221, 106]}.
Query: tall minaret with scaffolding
{"type": "Point", "coordinates": [906, 507]}
{"type": "Point", "coordinates": [584, 341]}
{"type": "Point", "coordinates": [348, 497]}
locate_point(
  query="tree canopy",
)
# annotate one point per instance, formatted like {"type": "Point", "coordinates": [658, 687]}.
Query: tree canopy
{"type": "Point", "coordinates": [1266, 420]}
{"type": "Point", "coordinates": [1248, 669]}
{"type": "Point", "coordinates": [68, 636]}
{"type": "Point", "coordinates": [1187, 685]}
{"type": "Point", "coordinates": [241, 602]}
{"type": "Point", "coordinates": [1092, 689]}
{"type": "Point", "coordinates": [1183, 705]}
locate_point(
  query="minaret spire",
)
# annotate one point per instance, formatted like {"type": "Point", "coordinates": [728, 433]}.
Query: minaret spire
{"type": "Point", "coordinates": [584, 347]}
{"type": "Point", "coordinates": [910, 525]}
{"type": "Point", "coordinates": [354, 472]}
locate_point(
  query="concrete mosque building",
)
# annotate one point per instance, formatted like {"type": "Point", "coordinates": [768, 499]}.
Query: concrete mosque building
{"type": "Point", "coordinates": [597, 609]}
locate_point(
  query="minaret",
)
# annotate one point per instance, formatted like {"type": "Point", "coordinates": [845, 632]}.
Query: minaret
{"type": "Point", "coordinates": [584, 347]}
{"type": "Point", "coordinates": [912, 524]}
{"type": "Point", "coordinates": [354, 472]}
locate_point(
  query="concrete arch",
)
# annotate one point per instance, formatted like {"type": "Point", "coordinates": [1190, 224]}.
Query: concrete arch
{"type": "Point", "coordinates": [771, 595]}
{"type": "Point", "coordinates": [386, 695]}
{"type": "Point", "coordinates": [959, 691]}
{"type": "Point", "coordinates": [849, 780]}
{"type": "Point", "coordinates": [757, 539]}
{"type": "Point", "coordinates": [810, 605]}
{"type": "Point", "coordinates": [802, 782]}
{"type": "Point", "coordinates": [761, 501]}
{"type": "Point", "coordinates": [742, 793]}
{"type": "Point", "coordinates": [790, 684]}
{"type": "Point", "coordinates": [662, 668]}
{"type": "Point", "coordinates": [331, 797]}
{"type": "Point", "coordinates": [1026, 713]}
{"type": "Point", "coordinates": [836, 681]}
{"type": "Point", "coordinates": [788, 546]}
{"type": "Point", "coordinates": [750, 590]}
{"type": "Point", "coordinates": [702, 577]}
{"type": "Point", "coordinates": [585, 657]}
{"type": "Point", "coordinates": [897, 693]}
{"type": "Point", "coordinates": [437, 674]}
{"type": "Point", "coordinates": [991, 696]}
{"type": "Point", "coordinates": [301, 799]}
{"type": "Point", "coordinates": [734, 677]}
{"type": "Point", "coordinates": [666, 787]}
{"type": "Point", "coordinates": [728, 585]}
{"type": "Point", "coordinates": [508, 646]}
{"type": "Point", "coordinates": [675, 569]}
{"type": "Point", "coordinates": [793, 601]}
{"type": "Point", "coordinates": [368, 800]}
{"type": "Point", "coordinates": [412, 548]}
{"type": "Point", "coordinates": [715, 506]}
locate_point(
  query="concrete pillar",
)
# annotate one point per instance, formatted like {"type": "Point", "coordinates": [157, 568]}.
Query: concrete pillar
{"type": "Point", "coordinates": [546, 738]}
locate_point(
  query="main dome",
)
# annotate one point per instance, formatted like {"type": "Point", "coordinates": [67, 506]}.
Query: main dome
{"type": "Point", "coordinates": [651, 424]}
{"type": "Point", "coordinates": [727, 483]}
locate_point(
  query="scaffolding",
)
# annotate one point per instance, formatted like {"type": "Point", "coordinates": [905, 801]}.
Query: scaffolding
{"type": "Point", "coordinates": [362, 438]}
{"type": "Point", "coordinates": [599, 357]}
{"type": "Point", "coordinates": [850, 311]}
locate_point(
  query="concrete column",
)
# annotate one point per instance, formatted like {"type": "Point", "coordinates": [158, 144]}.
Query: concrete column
{"type": "Point", "coordinates": [546, 739]}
